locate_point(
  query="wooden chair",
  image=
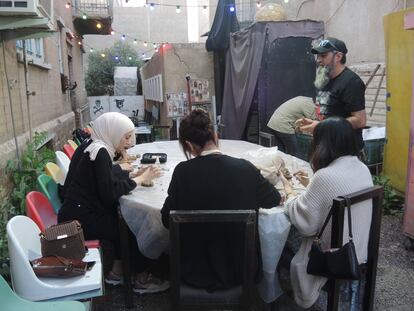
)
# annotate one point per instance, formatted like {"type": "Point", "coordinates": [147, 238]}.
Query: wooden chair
{"type": "Point", "coordinates": [370, 267]}
{"type": "Point", "coordinates": [188, 298]}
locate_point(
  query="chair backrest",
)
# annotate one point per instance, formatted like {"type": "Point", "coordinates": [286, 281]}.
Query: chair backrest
{"type": "Point", "coordinates": [338, 207]}
{"type": "Point", "coordinates": [63, 162]}
{"type": "Point", "coordinates": [73, 144]}
{"type": "Point", "coordinates": [55, 172]}
{"type": "Point", "coordinates": [68, 150]}
{"type": "Point", "coordinates": [39, 209]}
{"type": "Point", "coordinates": [48, 187]}
{"type": "Point", "coordinates": [246, 217]}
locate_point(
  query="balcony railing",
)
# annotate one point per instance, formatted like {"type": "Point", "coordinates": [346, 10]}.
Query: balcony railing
{"type": "Point", "coordinates": [93, 8]}
{"type": "Point", "coordinates": [87, 13]}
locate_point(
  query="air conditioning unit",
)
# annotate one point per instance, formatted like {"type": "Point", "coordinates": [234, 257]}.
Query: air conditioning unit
{"type": "Point", "coordinates": [41, 8]}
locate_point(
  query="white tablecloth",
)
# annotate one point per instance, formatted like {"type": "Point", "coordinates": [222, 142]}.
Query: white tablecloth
{"type": "Point", "coordinates": [141, 209]}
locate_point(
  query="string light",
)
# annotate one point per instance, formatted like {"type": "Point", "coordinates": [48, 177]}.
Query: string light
{"type": "Point", "coordinates": [67, 5]}
{"type": "Point", "coordinates": [99, 25]}
{"type": "Point", "coordinates": [204, 8]}
{"type": "Point", "coordinates": [129, 57]}
{"type": "Point", "coordinates": [145, 43]}
{"type": "Point", "coordinates": [112, 32]}
{"type": "Point", "coordinates": [156, 50]}
{"type": "Point", "coordinates": [178, 9]}
{"type": "Point", "coordinates": [117, 57]}
{"type": "Point", "coordinates": [152, 7]}
{"type": "Point", "coordinates": [84, 16]}
{"type": "Point", "coordinates": [154, 45]}
{"type": "Point", "coordinates": [103, 55]}
{"type": "Point", "coordinates": [143, 55]}
{"type": "Point", "coordinates": [80, 43]}
{"type": "Point", "coordinates": [135, 41]}
{"type": "Point", "coordinates": [123, 37]}
{"type": "Point", "coordinates": [258, 4]}
{"type": "Point", "coordinates": [286, 1]}
{"type": "Point", "coordinates": [232, 8]}
{"type": "Point", "coordinates": [91, 50]}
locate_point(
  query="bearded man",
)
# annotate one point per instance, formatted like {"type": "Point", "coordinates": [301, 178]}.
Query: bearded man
{"type": "Point", "coordinates": [340, 91]}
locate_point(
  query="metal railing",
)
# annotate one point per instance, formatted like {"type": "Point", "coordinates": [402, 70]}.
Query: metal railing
{"type": "Point", "coordinates": [101, 8]}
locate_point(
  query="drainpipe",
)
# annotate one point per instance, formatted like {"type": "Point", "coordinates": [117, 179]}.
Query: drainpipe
{"type": "Point", "coordinates": [26, 83]}
{"type": "Point", "coordinates": [9, 87]}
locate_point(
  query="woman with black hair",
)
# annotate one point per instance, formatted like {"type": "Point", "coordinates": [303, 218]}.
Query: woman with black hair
{"type": "Point", "coordinates": [337, 171]}
{"type": "Point", "coordinates": [210, 180]}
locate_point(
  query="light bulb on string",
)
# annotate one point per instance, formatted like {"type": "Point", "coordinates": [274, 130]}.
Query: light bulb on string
{"type": "Point", "coordinates": [116, 57]}
{"type": "Point", "coordinates": [129, 57]}
{"type": "Point", "coordinates": [99, 25]}
{"type": "Point", "coordinates": [103, 55]}
{"type": "Point", "coordinates": [123, 37]}
{"type": "Point", "coordinates": [154, 45]}
{"type": "Point", "coordinates": [84, 16]}
{"type": "Point", "coordinates": [164, 45]}
{"type": "Point", "coordinates": [112, 32]}
{"type": "Point", "coordinates": [143, 55]}
{"type": "Point", "coordinates": [286, 1]}
{"type": "Point", "coordinates": [67, 5]}
{"type": "Point", "coordinates": [135, 41]}
{"type": "Point", "coordinates": [80, 43]}
{"type": "Point", "coordinates": [204, 9]}
{"type": "Point", "coordinates": [178, 9]}
{"type": "Point", "coordinates": [91, 50]}
{"type": "Point", "coordinates": [231, 8]}
{"type": "Point", "coordinates": [145, 43]}
{"type": "Point", "coordinates": [258, 4]}
{"type": "Point", "coordinates": [156, 50]}
{"type": "Point", "coordinates": [152, 6]}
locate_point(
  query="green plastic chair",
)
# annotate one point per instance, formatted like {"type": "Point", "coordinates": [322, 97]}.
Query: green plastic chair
{"type": "Point", "coordinates": [10, 301]}
{"type": "Point", "coordinates": [48, 187]}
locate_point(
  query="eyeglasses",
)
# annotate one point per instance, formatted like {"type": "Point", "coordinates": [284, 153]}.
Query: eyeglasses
{"type": "Point", "coordinates": [328, 44]}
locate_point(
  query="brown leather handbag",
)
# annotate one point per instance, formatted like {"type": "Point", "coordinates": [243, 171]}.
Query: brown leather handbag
{"type": "Point", "coordinates": [59, 267]}
{"type": "Point", "coordinates": [65, 240]}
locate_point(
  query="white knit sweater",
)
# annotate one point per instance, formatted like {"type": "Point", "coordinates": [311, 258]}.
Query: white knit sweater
{"type": "Point", "coordinates": [308, 211]}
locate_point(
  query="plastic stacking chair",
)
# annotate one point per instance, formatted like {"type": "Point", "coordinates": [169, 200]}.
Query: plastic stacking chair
{"type": "Point", "coordinates": [48, 187]}
{"type": "Point", "coordinates": [63, 162]}
{"type": "Point", "coordinates": [68, 150]}
{"type": "Point", "coordinates": [54, 171]}
{"type": "Point", "coordinates": [73, 144]}
{"type": "Point", "coordinates": [11, 302]}
{"type": "Point", "coordinates": [77, 141]}
{"type": "Point", "coordinates": [39, 209]}
{"type": "Point", "coordinates": [24, 245]}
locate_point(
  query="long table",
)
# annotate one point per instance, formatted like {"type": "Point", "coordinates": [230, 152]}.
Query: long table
{"type": "Point", "coordinates": [141, 210]}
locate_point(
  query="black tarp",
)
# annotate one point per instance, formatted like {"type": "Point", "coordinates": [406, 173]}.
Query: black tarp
{"type": "Point", "coordinates": [224, 23]}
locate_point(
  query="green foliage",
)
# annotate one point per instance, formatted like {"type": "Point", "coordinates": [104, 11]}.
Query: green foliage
{"type": "Point", "coordinates": [392, 202]}
{"type": "Point", "coordinates": [99, 78]}
{"type": "Point", "coordinates": [23, 180]}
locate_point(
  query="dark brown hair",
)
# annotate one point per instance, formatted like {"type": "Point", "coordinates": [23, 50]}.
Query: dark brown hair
{"type": "Point", "coordinates": [197, 129]}
{"type": "Point", "coordinates": [332, 138]}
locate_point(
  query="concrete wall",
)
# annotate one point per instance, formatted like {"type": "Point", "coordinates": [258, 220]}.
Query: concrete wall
{"type": "Point", "coordinates": [50, 109]}
{"type": "Point", "coordinates": [174, 63]}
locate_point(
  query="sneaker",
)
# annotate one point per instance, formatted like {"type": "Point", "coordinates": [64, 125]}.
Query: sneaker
{"type": "Point", "coordinates": [114, 279]}
{"type": "Point", "coordinates": [150, 285]}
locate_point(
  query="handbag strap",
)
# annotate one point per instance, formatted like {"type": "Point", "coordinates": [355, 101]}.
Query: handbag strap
{"type": "Point", "coordinates": [348, 205]}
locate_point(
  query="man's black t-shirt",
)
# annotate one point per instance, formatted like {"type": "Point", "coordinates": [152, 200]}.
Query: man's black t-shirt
{"type": "Point", "coordinates": [341, 96]}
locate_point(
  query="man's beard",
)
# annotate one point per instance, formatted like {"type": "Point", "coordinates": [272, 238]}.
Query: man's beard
{"type": "Point", "coordinates": [322, 77]}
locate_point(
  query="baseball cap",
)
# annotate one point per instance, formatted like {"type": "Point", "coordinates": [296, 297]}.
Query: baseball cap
{"type": "Point", "coordinates": [330, 44]}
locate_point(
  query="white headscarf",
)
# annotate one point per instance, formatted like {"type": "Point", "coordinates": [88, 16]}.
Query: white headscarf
{"type": "Point", "coordinates": [107, 132]}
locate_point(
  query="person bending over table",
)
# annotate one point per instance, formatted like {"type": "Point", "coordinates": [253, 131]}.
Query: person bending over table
{"type": "Point", "coordinates": [94, 185]}
{"type": "Point", "coordinates": [337, 171]}
{"type": "Point", "coordinates": [213, 181]}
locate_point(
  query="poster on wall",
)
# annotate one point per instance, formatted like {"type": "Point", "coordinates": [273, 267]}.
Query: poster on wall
{"type": "Point", "coordinates": [98, 105]}
{"type": "Point", "coordinates": [127, 105]}
{"type": "Point", "coordinates": [177, 104]}
{"type": "Point", "coordinates": [199, 90]}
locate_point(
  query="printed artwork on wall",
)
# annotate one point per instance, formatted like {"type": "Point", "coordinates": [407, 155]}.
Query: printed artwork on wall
{"type": "Point", "coordinates": [199, 90]}
{"type": "Point", "coordinates": [128, 105]}
{"type": "Point", "coordinates": [177, 104]}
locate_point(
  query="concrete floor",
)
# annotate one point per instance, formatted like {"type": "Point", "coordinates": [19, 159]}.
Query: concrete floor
{"type": "Point", "coordinates": [394, 288]}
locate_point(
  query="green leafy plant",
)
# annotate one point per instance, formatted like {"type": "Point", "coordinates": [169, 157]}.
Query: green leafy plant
{"type": "Point", "coordinates": [99, 78]}
{"type": "Point", "coordinates": [392, 201]}
{"type": "Point", "coordinates": [23, 180]}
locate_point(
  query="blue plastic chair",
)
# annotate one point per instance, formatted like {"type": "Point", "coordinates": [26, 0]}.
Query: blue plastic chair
{"type": "Point", "coordinates": [10, 301]}
{"type": "Point", "coordinates": [48, 187]}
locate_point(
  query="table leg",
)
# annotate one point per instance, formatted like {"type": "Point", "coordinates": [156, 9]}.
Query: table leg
{"type": "Point", "coordinates": [126, 264]}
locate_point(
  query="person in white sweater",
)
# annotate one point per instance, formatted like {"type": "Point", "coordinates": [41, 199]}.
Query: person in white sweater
{"type": "Point", "coordinates": [337, 171]}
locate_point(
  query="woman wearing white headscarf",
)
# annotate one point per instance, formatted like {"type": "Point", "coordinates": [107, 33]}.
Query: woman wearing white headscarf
{"type": "Point", "coordinates": [94, 185]}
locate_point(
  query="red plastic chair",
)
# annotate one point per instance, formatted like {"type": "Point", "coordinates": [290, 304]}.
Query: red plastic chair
{"type": "Point", "coordinates": [68, 150]}
{"type": "Point", "coordinates": [39, 209]}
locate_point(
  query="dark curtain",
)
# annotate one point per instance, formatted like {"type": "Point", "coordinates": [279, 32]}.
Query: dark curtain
{"type": "Point", "coordinates": [243, 62]}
